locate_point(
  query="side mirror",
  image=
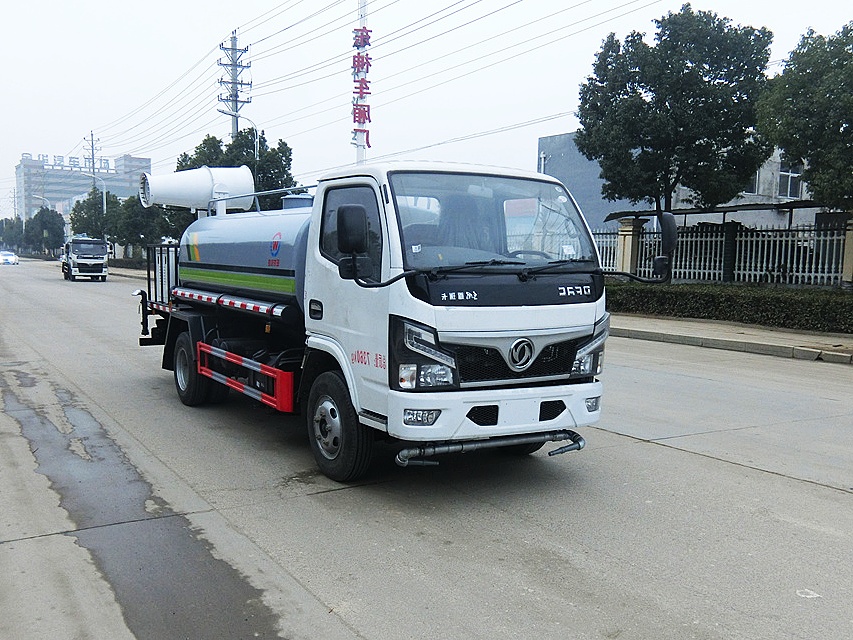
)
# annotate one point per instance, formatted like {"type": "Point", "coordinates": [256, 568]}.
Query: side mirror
{"type": "Point", "coordinates": [352, 229]}
{"type": "Point", "coordinates": [669, 232]}
{"type": "Point", "coordinates": [352, 240]}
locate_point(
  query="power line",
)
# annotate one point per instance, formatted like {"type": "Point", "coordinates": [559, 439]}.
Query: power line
{"type": "Point", "coordinates": [341, 106]}
{"type": "Point", "coordinates": [465, 138]}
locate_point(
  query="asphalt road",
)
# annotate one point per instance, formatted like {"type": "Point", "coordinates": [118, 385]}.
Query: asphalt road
{"type": "Point", "coordinates": [713, 501]}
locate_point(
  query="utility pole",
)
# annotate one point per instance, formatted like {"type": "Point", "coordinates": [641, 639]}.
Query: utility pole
{"type": "Point", "coordinates": [233, 84]}
{"type": "Point", "coordinates": [91, 140]}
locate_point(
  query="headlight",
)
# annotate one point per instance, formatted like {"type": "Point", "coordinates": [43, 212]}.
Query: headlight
{"type": "Point", "coordinates": [417, 358]}
{"type": "Point", "coordinates": [589, 359]}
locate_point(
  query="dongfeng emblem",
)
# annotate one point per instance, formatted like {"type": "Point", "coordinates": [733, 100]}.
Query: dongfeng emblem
{"type": "Point", "coordinates": [521, 354]}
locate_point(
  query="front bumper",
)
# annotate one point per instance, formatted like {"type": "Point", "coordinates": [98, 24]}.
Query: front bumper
{"type": "Point", "coordinates": [89, 269]}
{"type": "Point", "coordinates": [478, 414]}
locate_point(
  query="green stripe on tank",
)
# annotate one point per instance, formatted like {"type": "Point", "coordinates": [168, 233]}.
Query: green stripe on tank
{"type": "Point", "coordinates": [277, 284]}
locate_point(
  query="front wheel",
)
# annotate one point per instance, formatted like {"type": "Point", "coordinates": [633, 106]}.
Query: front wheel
{"type": "Point", "coordinates": [191, 385]}
{"type": "Point", "coordinates": [342, 446]}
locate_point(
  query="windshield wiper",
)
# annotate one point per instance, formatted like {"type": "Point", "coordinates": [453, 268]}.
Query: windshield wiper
{"type": "Point", "coordinates": [435, 272]}
{"type": "Point", "coordinates": [525, 274]}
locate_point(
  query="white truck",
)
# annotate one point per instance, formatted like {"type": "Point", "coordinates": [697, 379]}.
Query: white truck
{"type": "Point", "coordinates": [85, 257]}
{"type": "Point", "coordinates": [446, 308]}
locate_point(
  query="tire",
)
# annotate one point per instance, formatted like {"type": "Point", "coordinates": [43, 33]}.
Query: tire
{"type": "Point", "coordinates": [342, 446]}
{"type": "Point", "coordinates": [192, 387]}
{"type": "Point", "coordinates": [217, 393]}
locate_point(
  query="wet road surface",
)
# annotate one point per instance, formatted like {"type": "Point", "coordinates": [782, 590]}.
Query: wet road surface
{"type": "Point", "coordinates": [164, 576]}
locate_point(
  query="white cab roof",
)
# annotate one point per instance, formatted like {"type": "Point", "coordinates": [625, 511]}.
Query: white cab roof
{"type": "Point", "coordinates": [379, 170]}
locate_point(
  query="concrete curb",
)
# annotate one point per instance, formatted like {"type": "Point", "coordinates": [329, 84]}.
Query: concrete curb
{"type": "Point", "coordinates": [745, 346]}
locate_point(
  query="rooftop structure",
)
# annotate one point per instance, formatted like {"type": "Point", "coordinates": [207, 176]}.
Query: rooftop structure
{"type": "Point", "coordinates": [58, 180]}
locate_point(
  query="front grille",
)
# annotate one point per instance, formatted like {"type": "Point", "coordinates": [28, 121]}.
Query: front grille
{"type": "Point", "coordinates": [485, 364]}
{"type": "Point", "coordinates": [90, 268]}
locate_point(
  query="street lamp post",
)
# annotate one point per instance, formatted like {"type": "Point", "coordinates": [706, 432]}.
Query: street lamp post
{"type": "Point", "coordinates": [49, 206]}
{"type": "Point", "coordinates": [234, 114]}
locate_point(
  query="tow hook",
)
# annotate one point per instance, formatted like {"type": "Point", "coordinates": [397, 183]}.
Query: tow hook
{"type": "Point", "coordinates": [405, 457]}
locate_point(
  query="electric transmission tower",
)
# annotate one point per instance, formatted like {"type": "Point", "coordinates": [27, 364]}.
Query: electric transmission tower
{"type": "Point", "coordinates": [232, 82]}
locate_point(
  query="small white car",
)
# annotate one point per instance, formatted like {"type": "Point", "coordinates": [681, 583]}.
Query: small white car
{"type": "Point", "coordinates": [8, 257]}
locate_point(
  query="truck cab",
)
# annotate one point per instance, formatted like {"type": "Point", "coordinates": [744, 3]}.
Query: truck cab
{"type": "Point", "coordinates": [85, 257]}
{"type": "Point", "coordinates": [497, 327]}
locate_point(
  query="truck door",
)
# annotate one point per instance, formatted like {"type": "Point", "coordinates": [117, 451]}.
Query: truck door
{"type": "Point", "coordinates": [354, 317]}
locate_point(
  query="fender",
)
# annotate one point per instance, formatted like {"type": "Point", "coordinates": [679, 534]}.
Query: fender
{"type": "Point", "coordinates": [180, 321]}
{"type": "Point", "coordinates": [336, 352]}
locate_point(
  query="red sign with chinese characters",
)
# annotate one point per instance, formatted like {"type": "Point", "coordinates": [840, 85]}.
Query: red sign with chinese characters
{"type": "Point", "coordinates": [361, 87]}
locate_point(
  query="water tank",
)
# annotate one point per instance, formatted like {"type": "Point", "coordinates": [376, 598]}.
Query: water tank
{"type": "Point", "coordinates": [259, 255]}
{"type": "Point", "coordinates": [255, 254]}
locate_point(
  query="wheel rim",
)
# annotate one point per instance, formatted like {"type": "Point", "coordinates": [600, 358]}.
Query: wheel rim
{"type": "Point", "coordinates": [182, 369]}
{"type": "Point", "coordinates": [327, 427]}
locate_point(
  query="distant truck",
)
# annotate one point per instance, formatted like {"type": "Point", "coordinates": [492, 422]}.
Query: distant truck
{"type": "Point", "coordinates": [441, 308]}
{"type": "Point", "coordinates": [85, 257]}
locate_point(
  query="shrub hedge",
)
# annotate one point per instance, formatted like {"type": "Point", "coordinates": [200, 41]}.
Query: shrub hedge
{"type": "Point", "coordinates": [129, 263]}
{"type": "Point", "coordinates": [827, 310]}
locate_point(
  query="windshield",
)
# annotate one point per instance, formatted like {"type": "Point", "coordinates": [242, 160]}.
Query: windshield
{"type": "Point", "coordinates": [93, 248]}
{"type": "Point", "coordinates": [452, 219]}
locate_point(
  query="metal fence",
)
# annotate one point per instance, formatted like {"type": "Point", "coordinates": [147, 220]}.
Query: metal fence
{"type": "Point", "coordinates": [801, 256]}
{"type": "Point", "coordinates": [607, 242]}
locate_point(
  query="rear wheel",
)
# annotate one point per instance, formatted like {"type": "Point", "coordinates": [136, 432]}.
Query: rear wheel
{"type": "Point", "coordinates": [342, 446]}
{"type": "Point", "coordinates": [192, 387]}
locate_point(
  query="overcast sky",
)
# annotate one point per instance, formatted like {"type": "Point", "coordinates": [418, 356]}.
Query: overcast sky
{"type": "Point", "coordinates": [463, 80]}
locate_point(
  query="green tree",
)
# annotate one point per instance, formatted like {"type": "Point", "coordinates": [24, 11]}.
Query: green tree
{"type": "Point", "coordinates": [176, 220]}
{"type": "Point", "coordinates": [45, 230]}
{"type": "Point", "coordinates": [271, 171]}
{"type": "Point", "coordinates": [208, 153]}
{"type": "Point", "coordinates": [13, 233]}
{"type": "Point", "coordinates": [88, 216]}
{"type": "Point", "coordinates": [138, 226]}
{"type": "Point", "coordinates": [681, 112]}
{"type": "Point", "coordinates": [808, 112]}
